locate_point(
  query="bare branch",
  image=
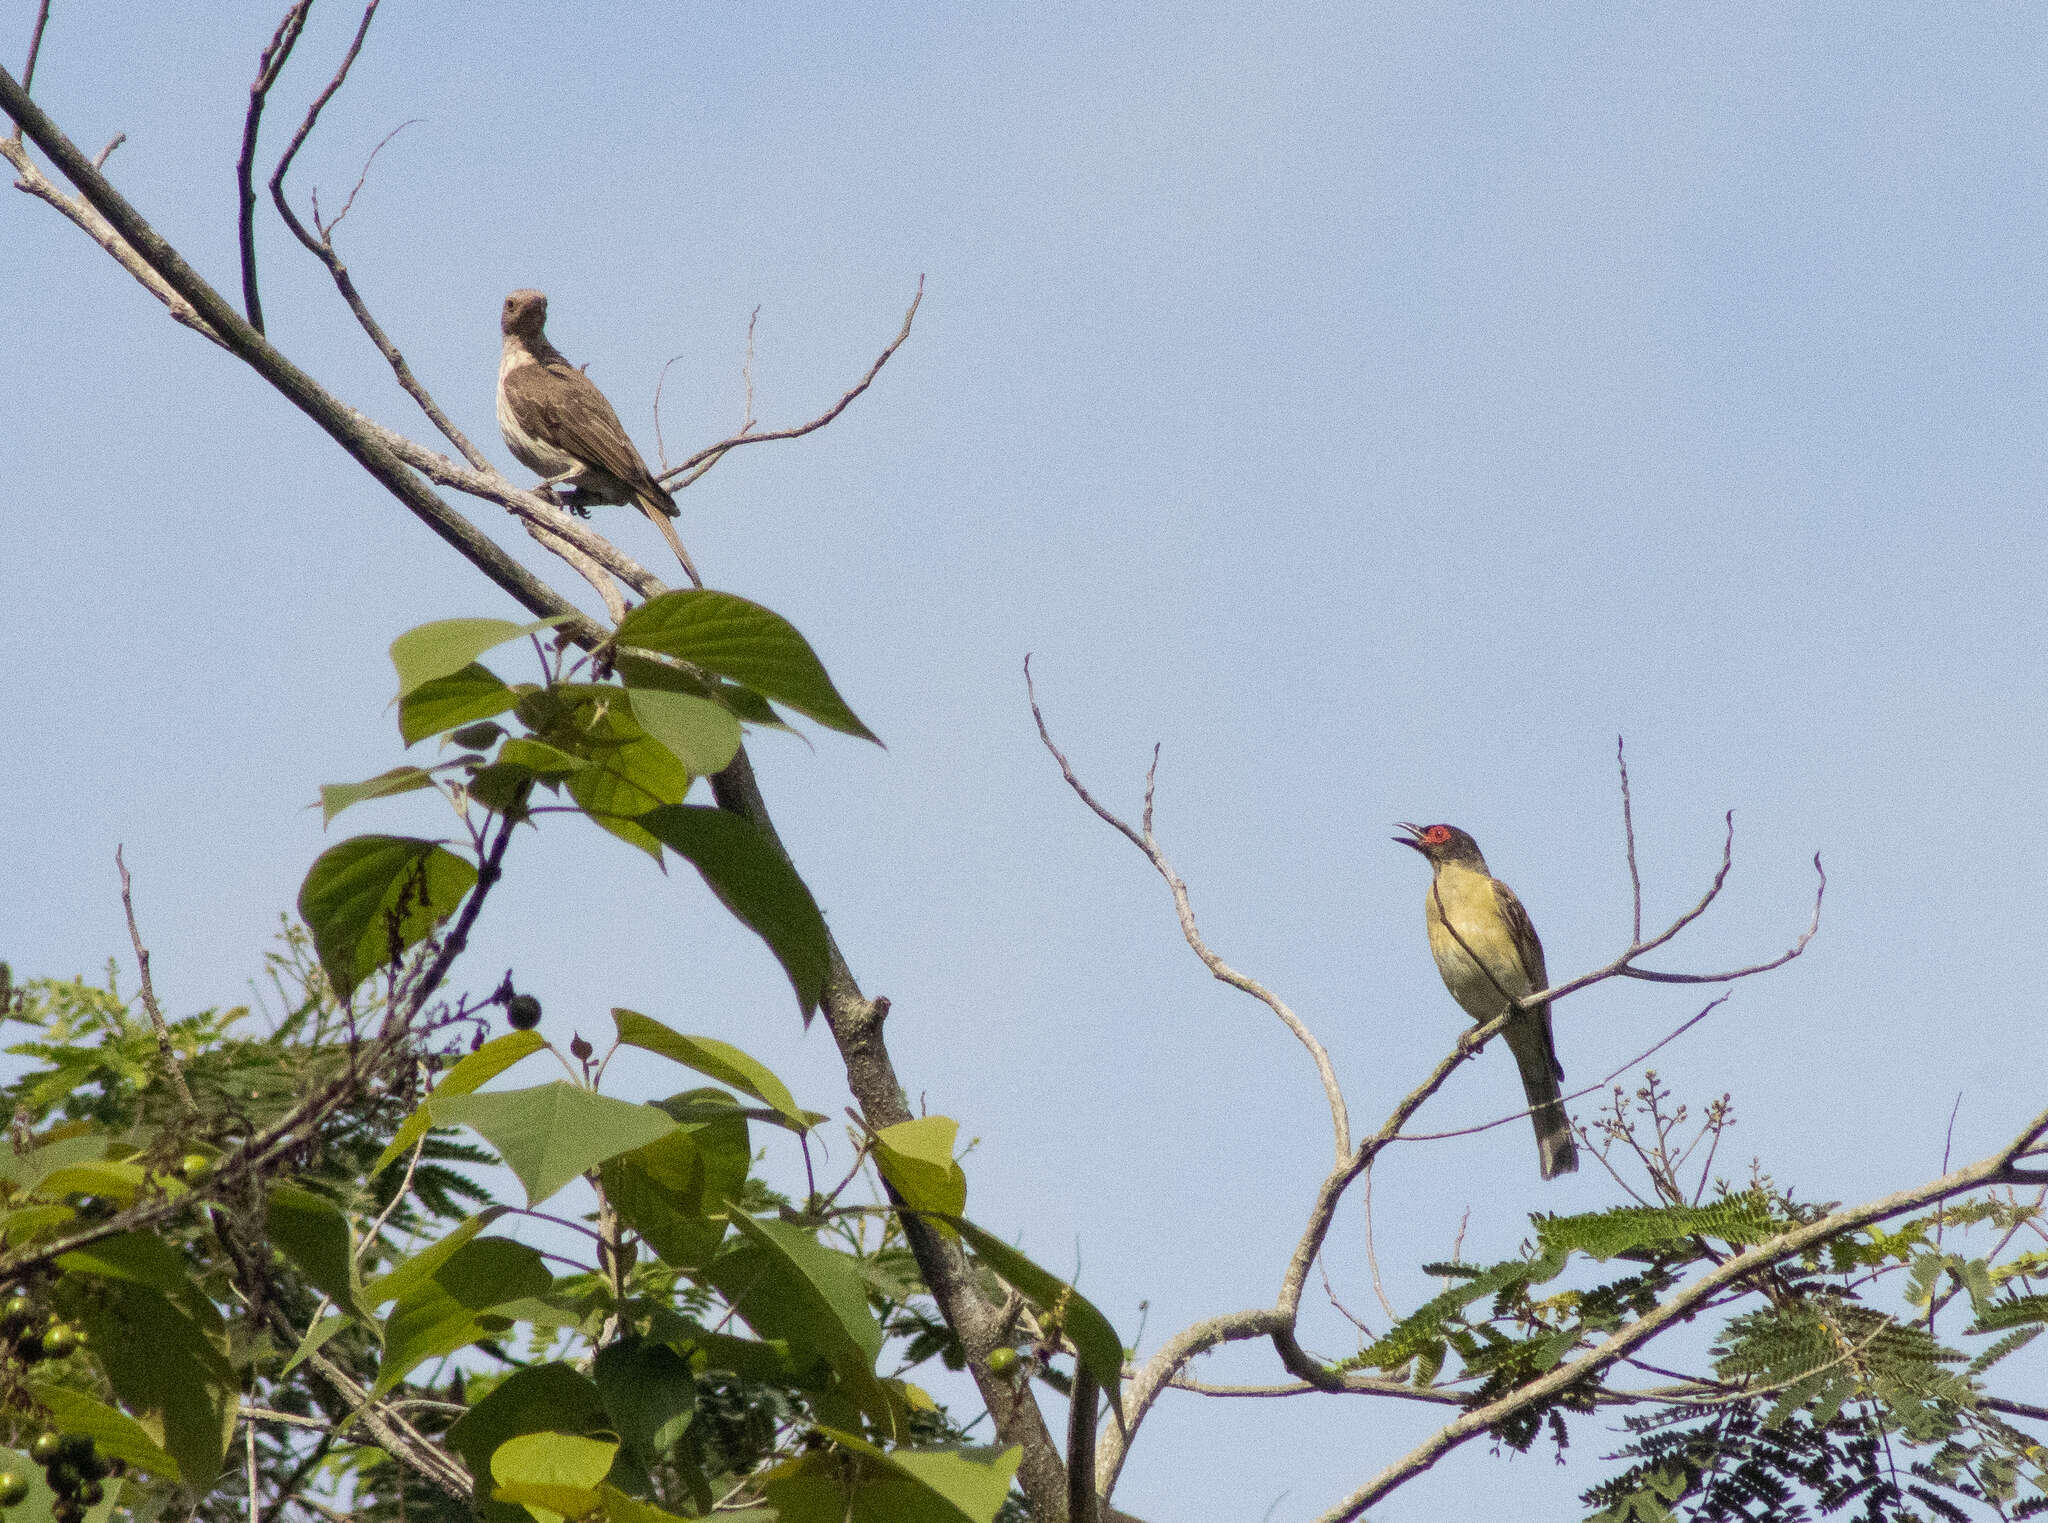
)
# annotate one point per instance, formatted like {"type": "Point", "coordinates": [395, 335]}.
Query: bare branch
{"type": "Point", "coordinates": [1628, 827]}
{"type": "Point", "coordinates": [326, 229]}
{"type": "Point", "coordinates": [313, 111]}
{"type": "Point", "coordinates": [1144, 840]}
{"type": "Point", "coordinates": [1996, 1169]}
{"type": "Point", "coordinates": [35, 48]}
{"type": "Point", "coordinates": [88, 221]}
{"type": "Point", "coordinates": [1354, 1385]}
{"type": "Point", "coordinates": [675, 478]}
{"type": "Point", "coordinates": [1578, 1094]}
{"type": "Point", "coordinates": [156, 1015]}
{"type": "Point", "coordinates": [268, 67]}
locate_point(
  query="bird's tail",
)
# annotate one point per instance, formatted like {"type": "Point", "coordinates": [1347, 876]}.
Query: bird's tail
{"type": "Point", "coordinates": [661, 507]}
{"type": "Point", "coordinates": [1536, 1056]}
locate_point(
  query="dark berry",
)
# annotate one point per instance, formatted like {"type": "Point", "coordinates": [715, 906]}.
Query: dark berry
{"type": "Point", "coordinates": [523, 1011]}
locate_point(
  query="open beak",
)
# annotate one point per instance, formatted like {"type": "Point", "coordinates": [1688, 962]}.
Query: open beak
{"type": "Point", "coordinates": [1413, 838]}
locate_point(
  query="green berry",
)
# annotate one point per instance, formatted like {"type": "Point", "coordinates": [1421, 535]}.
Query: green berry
{"type": "Point", "coordinates": [1001, 1361]}
{"type": "Point", "coordinates": [192, 1165]}
{"type": "Point", "coordinates": [61, 1339]}
{"type": "Point", "coordinates": [46, 1448]}
{"type": "Point", "coordinates": [17, 1312]}
{"type": "Point", "coordinates": [13, 1489]}
{"type": "Point", "coordinates": [523, 1011]}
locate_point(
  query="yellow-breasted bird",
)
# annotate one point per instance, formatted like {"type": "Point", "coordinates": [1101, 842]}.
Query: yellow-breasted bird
{"type": "Point", "coordinates": [1493, 960]}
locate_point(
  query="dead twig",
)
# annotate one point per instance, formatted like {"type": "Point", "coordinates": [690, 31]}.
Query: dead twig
{"type": "Point", "coordinates": [268, 68]}
{"type": "Point", "coordinates": [172, 1066]}
{"type": "Point", "coordinates": [1578, 1094]}
{"type": "Point", "coordinates": [675, 478]}
{"type": "Point", "coordinates": [35, 48]}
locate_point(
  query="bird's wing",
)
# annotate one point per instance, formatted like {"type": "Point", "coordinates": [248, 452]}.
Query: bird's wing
{"type": "Point", "coordinates": [559, 403]}
{"type": "Point", "coordinates": [1527, 948]}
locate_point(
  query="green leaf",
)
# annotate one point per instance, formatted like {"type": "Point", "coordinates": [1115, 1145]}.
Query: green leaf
{"type": "Point", "coordinates": [144, 1259]}
{"type": "Point", "coordinates": [114, 1433]}
{"type": "Point", "coordinates": [715, 1059]}
{"type": "Point", "coordinates": [890, 1486]}
{"type": "Point", "coordinates": [553, 1475]}
{"type": "Point", "coordinates": [537, 1399]}
{"type": "Point", "coordinates": [703, 735]}
{"type": "Point", "coordinates": [167, 1365]}
{"type": "Point", "coordinates": [620, 1508]}
{"type": "Point", "coordinates": [550, 1134]}
{"type": "Point", "coordinates": [788, 1285]}
{"type": "Point", "coordinates": [472, 1073]}
{"type": "Point", "coordinates": [658, 1192]}
{"type": "Point", "coordinates": [416, 1268]}
{"type": "Point", "coordinates": [311, 1231]}
{"type": "Point", "coordinates": [649, 1393]}
{"type": "Point", "coordinates": [440, 1312]}
{"type": "Point", "coordinates": [627, 774]}
{"type": "Point", "coordinates": [445, 646]}
{"type": "Point", "coordinates": [539, 758]}
{"type": "Point", "coordinates": [478, 737]}
{"type": "Point", "coordinates": [2019, 1311]}
{"type": "Point", "coordinates": [753, 879]}
{"type": "Point", "coordinates": [675, 1192]}
{"type": "Point", "coordinates": [316, 1338]}
{"type": "Point", "coordinates": [335, 797]}
{"type": "Point", "coordinates": [460, 698]}
{"type": "Point", "coordinates": [732, 637]}
{"type": "Point", "coordinates": [370, 894]}
{"type": "Point", "coordinates": [916, 1157]}
{"type": "Point", "coordinates": [1092, 1336]}
{"type": "Point", "coordinates": [976, 1481]}
{"type": "Point", "coordinates": [1740, 1219]}
{"type": "Point", "coordinates": [117, 1182]}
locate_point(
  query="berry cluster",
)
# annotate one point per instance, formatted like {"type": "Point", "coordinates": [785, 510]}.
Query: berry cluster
{"type": "Point", "coordinates": [35, 1336]}
{"type": "Point", "coordinates": [74, 1469]}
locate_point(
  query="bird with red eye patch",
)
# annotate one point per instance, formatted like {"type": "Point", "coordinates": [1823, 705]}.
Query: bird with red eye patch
{"type": "Point", "coordinates": [1488, 955]}
{"type": "Point", "coordinates": [558, 423]}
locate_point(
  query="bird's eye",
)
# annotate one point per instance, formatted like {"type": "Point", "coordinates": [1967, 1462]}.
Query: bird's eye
{"type": "Point", "coordinates": [1436, 835]}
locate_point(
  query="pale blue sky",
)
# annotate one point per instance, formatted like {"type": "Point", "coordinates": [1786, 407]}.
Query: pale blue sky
{"type": "Point", "coordinates": [1382, 407]}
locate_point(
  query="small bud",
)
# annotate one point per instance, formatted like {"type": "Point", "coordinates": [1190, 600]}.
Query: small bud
{"type": "Point", "coordinates": [580, 1049]}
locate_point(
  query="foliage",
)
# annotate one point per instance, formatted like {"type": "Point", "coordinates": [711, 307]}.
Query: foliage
{"type": "Point", "coordinates": [1812, 1393]}
{"type": "Point", "coordinates": [270, 1247]}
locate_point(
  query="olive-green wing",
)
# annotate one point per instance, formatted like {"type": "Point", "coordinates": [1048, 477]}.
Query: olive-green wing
{"type": "Point", "coordinates": [1527, 947]}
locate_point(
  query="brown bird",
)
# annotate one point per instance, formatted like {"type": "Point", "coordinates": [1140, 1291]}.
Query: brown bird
{"type": "Point", "coordinates": [558, 423]}
{"type": "Point", "coordinates": [1494, 959]}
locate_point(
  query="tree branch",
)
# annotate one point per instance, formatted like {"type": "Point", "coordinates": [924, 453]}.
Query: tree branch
{"type": "Point", "coordinates": [268, 67]}
{"type": "Point", "coordinates": [675, 478]}
{"type": "Point", "coordinates": [1996, 1169]}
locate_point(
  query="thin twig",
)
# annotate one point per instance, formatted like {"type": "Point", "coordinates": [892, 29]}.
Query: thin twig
{"type": "Point", "coordinates": [1741, 1267]}
{"type": "Point", "coordinates": [1628, 826]}
{"type": "Point", "coordinates": [249, 1445]}
{"type": "Point", "coordinates": [692, 469]}
{"type": "Point", "coordinates": [1372, 1257]}
{"type": "Point", "coordinates": [156, 1015]}
{"type": "Point", "coordinates": [1144, 840]}
{"type": "Point", "coordinates": [35, 48]}
{"type": "Point", "coordinates": [268, 67]}
{"type": "Point", "coordinates": [326, 229]}
{"type": "Point", "coordinates": [1577, 1094]}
